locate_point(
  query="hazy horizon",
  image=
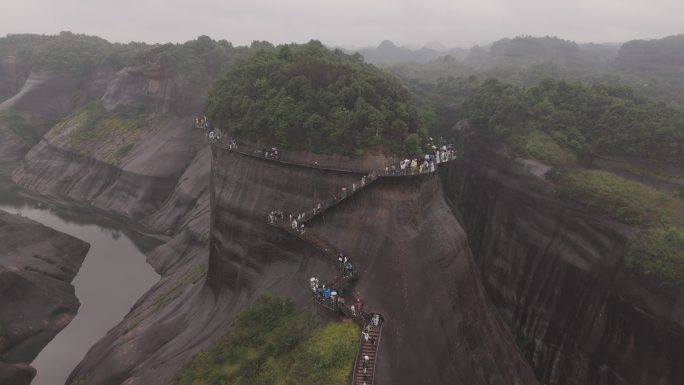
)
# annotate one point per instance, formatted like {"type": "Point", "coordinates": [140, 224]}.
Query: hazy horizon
{"type": "Point", "coordinates": [352, 24]}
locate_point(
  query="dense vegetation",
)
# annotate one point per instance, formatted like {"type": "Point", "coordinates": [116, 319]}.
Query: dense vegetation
{"type": "Point", "coordinates": [308, 97]}
{"type": "Point", "coordinates": [64, 52]}
{"type": "Point", "coordinates": [199, 60]}
{"type": "Point", "coordinates": [274, 343]}
{"type": "Point", "coordinates": [659, 252]}
{"type": "Point", "coordinates": [587, 120]}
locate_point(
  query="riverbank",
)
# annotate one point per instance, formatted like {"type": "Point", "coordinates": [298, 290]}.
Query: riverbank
{"type": "Point", "coordinates": [111, 278]}
{"type": "Point", "coordinates": [37, 300]}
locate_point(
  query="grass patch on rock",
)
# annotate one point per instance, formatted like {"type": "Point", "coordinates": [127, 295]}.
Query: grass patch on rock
{"type": "Point", "coordinates": [619, 198]}
{"type": "Point", "coordinates": [541, 146]}
{"type": "Point", "coordinates": [272, 342]}
{"type": "Point", "coordinates": [658, 250]}
{"type": "Point", "coordinates": [108, 136]}
{"type": "Point", "coordinates": [659, 253]}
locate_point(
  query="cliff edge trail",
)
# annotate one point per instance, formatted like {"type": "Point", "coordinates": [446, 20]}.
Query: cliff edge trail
{"type": "Point", "coordinates": [414, 264]}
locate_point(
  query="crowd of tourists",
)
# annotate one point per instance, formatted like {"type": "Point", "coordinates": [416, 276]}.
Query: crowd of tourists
{"type": "Point", "coordinates": [407, 166]}
{"type": "Point", "coordinates": [271, 153]}
{"type": "Point", "coordinates": [296, 221]}
{"type": "Point", "coordinates": [334, 299]}
{"type": "Point", "coordinates": [428, 163]}
{"type": "Point", "coordinates": [214, 136]}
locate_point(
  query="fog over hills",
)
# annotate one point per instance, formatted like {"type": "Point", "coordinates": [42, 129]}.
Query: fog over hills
{"type": "Point", "coordinates": [507, 213]}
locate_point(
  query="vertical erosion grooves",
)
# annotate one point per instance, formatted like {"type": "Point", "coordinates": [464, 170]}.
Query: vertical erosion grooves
{"type": "Point", "coordinates": [557, 276]}
{"type": "Point", "coordinates": [51, 170]}
{"type": "Point", "coordinates": [415, 265]}
{"type": "Point", "coordinates": [416, 270]}
{"type": "Point", "coordinates": [244, 249]}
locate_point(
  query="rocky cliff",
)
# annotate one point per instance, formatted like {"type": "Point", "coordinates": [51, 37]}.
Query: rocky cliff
{"type": "Point", "coordinates": [161, 181]}
{"type": "Point", "coordinates": [412, 255]}
{"type": "Point", "coordinates": [140, 181]}
{"type": "Point", "coordinates": [557, 274]}
{"type": "Point", "coordinates": [554, 272]}
{"type": "Point", "coordinates": [37, 265]}
{"type": "Point", "coordinates": [182, 315]}
{"type": "Point", "coordinates": [13, 74]}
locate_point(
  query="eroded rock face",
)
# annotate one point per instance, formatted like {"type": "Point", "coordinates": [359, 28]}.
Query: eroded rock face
{"type": "Point", "coordinates": [51, 170]}
{"type": "Point", "coordinates": [12, 148]}
{"type": "Point", "coordinates": [180, 315]}
{"type": "Point", "coordinates": [169, 323]}
{"type": "Point", "coordinates": [415, 265]}
{"type": "Point", "coordinates": [37, 265]}
{"type": "Point", "coordinates": [13, 74]}
{"type": "Point", "coordinates": [557, 274]}
{"type": "Point", "coordinates": [163, 182]}
{"type": "Point", "coordinates": [153, 88]}
{"type": "Point", "coordinates": [47, 94]}
{"type": "Point", "coordinates": [42, 99]}
{"type": "Point", "coordinates": [16, 374]}
{"type": "Point", "coordinates": [142, 181]}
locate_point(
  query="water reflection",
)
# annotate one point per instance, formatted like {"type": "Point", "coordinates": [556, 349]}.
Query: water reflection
{"type": "Point", "coordinates": [113, 276]}
{"type": "Point", "coordinates": [74, 213]}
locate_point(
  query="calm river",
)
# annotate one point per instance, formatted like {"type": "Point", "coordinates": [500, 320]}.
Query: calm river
{"type": "Point", "coordinates": [113, 276]}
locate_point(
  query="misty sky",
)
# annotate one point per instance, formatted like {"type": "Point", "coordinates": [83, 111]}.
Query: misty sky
{"type": "Point", "coordinates": [350, 23]}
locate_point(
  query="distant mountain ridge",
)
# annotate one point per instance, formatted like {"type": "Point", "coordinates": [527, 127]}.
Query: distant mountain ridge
{"type": "Point", "coordinates": [387, 53]}
{"type": "Point", "coordinates": [529, 50]}
{"type": "Point", "coordinates": [658, 55]}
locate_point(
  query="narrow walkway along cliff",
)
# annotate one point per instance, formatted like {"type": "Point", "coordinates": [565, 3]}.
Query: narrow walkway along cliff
{"type": "Point", "coordinates": [413, 263]}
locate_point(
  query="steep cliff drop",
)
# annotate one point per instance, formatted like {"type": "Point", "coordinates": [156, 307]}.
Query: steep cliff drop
{"type": "Point", "coordinates": [137, 184]}
{"type": "Point", "coordinates": [557, 274]}
{"type": "Point", "coordinates": [37, 265]}
{"type": "Point", "coordinates": [44, 98]}
{"type": "Point", "coordinates": [415, 265]}
{"type": "Point", "coordinates": [161, 182]}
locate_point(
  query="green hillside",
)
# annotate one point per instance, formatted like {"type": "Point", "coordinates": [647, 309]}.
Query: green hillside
{"type": "Point", "coordinates": [587, 120]}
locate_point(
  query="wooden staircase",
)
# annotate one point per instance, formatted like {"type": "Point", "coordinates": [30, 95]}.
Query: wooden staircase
{"type": "Point", "coordinates": [364, 370]}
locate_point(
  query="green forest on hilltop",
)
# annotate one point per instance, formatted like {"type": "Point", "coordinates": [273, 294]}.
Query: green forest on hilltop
{"type": "Point", "coordinates": [309, 97]}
